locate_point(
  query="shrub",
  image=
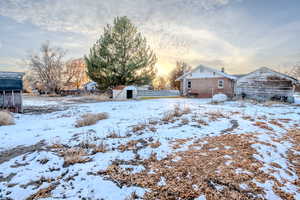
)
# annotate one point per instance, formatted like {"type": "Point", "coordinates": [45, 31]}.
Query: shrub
{"type": "Point", "coordinates": [176, 112]}
{"type": "Point", "coordinates": [100, 148]}
{"type": "Point", "coordinates": [139, 127]}
{"type": "Point", "coordinates": [74, 155]}
{"type": "Point", "coordinates": [90, 119]}
{"type": "Point", "coordinates": [6, 118]}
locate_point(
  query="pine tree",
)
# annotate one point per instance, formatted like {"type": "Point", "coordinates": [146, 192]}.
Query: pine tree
{"type": "Point", "coordinates": [121, 57]}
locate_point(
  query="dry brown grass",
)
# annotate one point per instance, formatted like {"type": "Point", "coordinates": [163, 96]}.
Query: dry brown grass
{"type": "Point", "coordinates": [155, 144]}
{"type": "Point", "coordinates": [216, 115]}
{"type": "Point", "coordinates": [152, 129]}
{"type": "Point", "coordinates": [248, 117]}
{"type": "Point", "coordinates": [168, 117]}
{"type": "Point", "coordinates": [210, 171]}
{"type": "Point", "coordinates": [138, 128]}
{"type": "Point", "coordinates": [90, 119]}
{"type": "Point", "coordinates": [198, 172]}
{"type": "Point", "coordinates": [276, 123]}
{"type": "Point", "coordinates": [202, 122]}
{"type": "Point", "coordinates": [176, 112]}
{"type": "Point", "coordinates": [263, 125]}
{"type": "Point", "coordinates": [42, 193]}
{"type": "Point", "coordinates": [73, 156]}
{"type": "Point", "coordinates": [100, 148]}
{"type": "Point", "coordinates": [6, 118]}
{"type": "Point", "coordinates": [114, 134]}
{"type": "Point", "coordinates": [184, 121]}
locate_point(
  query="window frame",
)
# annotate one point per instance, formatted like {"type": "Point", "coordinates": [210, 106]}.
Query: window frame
{"type": "Point", "coordinates": [189, 84]}
{"type": "Point", "coordinates": [221, 86]}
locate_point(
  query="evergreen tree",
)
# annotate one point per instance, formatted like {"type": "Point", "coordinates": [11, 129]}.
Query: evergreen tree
{"type": "Point", "coordinates": [120, 57]}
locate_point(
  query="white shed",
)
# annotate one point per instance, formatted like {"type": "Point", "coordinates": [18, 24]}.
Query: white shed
{"type": "Point", "coordinates": [122, 92]}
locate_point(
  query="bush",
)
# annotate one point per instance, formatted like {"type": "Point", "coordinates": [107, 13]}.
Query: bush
{"type": "Point", "coordinates": [90, 119]}
{"type": "Point", "coordinates": [6, 118]}
{"type": "Point", "coordinates": [73, 156]}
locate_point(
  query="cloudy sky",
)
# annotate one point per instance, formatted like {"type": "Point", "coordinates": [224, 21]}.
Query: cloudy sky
{"type": "Point", "coordinates": [240, 35]}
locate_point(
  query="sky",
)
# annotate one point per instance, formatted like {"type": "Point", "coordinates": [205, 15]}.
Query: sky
{"type": "Point", "coordinates": [239, 35]}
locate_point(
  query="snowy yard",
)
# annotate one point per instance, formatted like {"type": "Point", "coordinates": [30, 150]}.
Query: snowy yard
{"type": "Point", "coordinates": [152, 149]}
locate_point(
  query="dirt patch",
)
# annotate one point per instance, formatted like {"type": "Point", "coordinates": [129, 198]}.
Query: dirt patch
{"type": "Point", "coordinates": [234, 125]}
{"type": "Point", "coordinates": [37, 110]}
{"type": "Point", "coordinates": [20, 150]}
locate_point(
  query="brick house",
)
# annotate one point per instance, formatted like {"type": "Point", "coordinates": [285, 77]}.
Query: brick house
{"type": "Point", "coordinates": [204, 82]}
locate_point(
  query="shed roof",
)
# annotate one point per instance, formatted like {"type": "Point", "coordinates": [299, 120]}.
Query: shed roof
{"type": "Point", "coordinates": [266, 69]}
{"type": "Point", "coordinates": [119, 87]}
{"type": "Point", "coordinates": [11, 75]}
{"type": "Point", "coordinates": [11, 81]}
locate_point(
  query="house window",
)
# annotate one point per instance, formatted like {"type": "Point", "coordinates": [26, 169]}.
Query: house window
{"type": "Point", "coordinates": [220, 83]}
{"type": "Point", "coordinates": [189, 84]}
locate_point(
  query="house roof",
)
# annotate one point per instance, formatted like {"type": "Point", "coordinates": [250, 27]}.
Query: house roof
{"type": "Point", "coordinates": [208, 68]}
{"type": "Point", "coordinates": [238, 75]}
{"type": "Point", "coordinates": [294, 80]}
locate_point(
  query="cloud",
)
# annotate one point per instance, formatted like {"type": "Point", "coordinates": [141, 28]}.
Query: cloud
{"type": "Point", "coordinates": [10, 63]}
{"type": "Point", "coordinates": [196, 31]}
{"type": "Point", "coordinates": [86, 16]}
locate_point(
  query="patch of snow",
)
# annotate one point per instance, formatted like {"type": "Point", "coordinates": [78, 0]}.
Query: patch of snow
{"type": "Point", "coordinates": [219, 98]}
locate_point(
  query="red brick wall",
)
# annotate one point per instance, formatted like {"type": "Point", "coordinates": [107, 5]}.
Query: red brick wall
{"type": "Point", "coordinates": [207, 87]}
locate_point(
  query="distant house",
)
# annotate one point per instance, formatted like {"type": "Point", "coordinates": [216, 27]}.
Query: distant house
{"type": "Point", "coordinates": [11, 86]}
{"type": "Point", "coordinates": [266, 84]}
{"type": "Point", "coordinates": [90, 86]}
{"type": "Point", "coordinates": [204, 82]}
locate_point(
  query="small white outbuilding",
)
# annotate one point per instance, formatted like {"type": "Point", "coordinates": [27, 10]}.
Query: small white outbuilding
{"type": "Point", "coordinates": [123, 92]}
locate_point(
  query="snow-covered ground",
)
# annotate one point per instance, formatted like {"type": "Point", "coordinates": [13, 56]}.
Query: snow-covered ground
{"type": "Point", "coordinates": [140, 121]}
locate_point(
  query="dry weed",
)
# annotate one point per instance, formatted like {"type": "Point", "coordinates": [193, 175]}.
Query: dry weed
{"type": "Point", "coordinates": [138, 128]}
{"type": "Point", "coordinates": [6, 118]}
{"type": "Point", "coordinates": [42, 193]}
{"type": "Point", "coordinates": [100, 148]}
{"type": "Point", "coordinates": [169, 116]}
{"type": "Point", "coordinates": [276, 123]}
{"type": "Point", "coordinates": [90, 119]}
{"type": "Point", "coordinates": [155, 144]}
{"type": "Point", "coordinates": [263, 125]}
{"type": "Point", "coordinates": [73, 156]}
{"type": "Point", "coordinates": [202, 122]}
{"type": "Point", "coordinates": [185, 121]}
{"type": "Point", "coordinates": [114, 134]}
{"type": "Point", "coordinates": [216, 115]}
{"type": "Point", "coordinates": [207, 168]}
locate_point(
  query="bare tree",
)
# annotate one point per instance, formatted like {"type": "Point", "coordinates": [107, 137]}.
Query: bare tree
{"type": "Point", "coordinates": [179, 70]}
{"type": "Point", "coordinates": [47, 67]}
{"type": "Point", "coordinates": [160, 83]}
{"type": "Point", "coordinates": [75, 73]}
{"type": "Point", "coordinates": [295, 72]}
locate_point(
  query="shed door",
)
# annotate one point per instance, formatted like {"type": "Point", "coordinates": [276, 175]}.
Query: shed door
{"type": "Point", "coordinates": [129, 94]}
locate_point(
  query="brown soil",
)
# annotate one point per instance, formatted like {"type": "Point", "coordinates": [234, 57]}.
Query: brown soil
{"type": "Point", "coordinates": [20, 150]}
